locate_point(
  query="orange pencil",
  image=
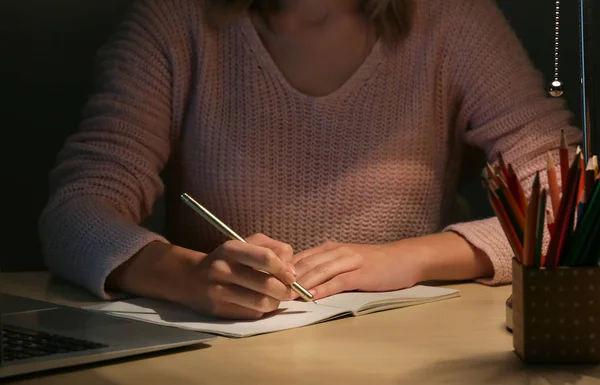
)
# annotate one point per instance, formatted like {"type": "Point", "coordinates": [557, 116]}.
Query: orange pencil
{"type": "Point", "coordinates": [550, 220]}
{"type": "Point", "coordinates": [564, 161]}
{"type": "Point", "coordinates": [490, 171]}
{"type": "Point", "coordinates": [516, 189]}
{"type": "Point", "coordinates": [531, 223]}
{"type": "Point", "coordinates": [553, 184]}
{"type": "Point", "coordinates": [509, 231]}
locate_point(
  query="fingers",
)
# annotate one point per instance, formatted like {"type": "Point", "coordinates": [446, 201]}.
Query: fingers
{"type": "Point", "coordinates": [232, 311]}
{"type": "Point", "coordinates": [258, 257]}
{"type": "Point", "coordinates": [338, 284]}
{"type": "Point", "coordinates": [329, 265]}
{"type": "Point", "coordinates": [315, 250]}
{"type": "Point", "coordinates": [221, 296]}
{"type": "Point", "coordinates": [321, 255]}
{"type": "Point", "coordinates": [283, 250]}
{"type": "Point", "coordinates": [260, 282]}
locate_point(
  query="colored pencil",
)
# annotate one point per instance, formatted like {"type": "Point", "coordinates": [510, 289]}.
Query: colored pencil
{"type": "Point", "coordinates": [550, 222]}
{"type": "Point", "coordinates": [512, 209]}
{"type": "Point", "coordinates": [516, 189]}
{"type": "Point", "coordinates": [579, 154]}
{"type": "Point", "coordinates": [590, 178]}
{"type": "Point", "coordinates": [582, 237]}
{"type": "Point", "coordinates": [502, 165]}
{"type": "Point", "coordinates": [491, 173]}
{"type": "Point", "coordinates": [509, 231]}
{"type": "Point", "coordinates": [531, 223]}
{"type": "Point", "coordinates": [553, 184]}
{"type": "Point", "coordinates": [562, 219]}
{"type": "Point", "coordinates": [564, 160]}
{"type": "Point", "coordinates": [541, 209]}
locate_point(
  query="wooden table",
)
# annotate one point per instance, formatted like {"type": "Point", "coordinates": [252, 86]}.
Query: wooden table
{"type": "Point", "coordinates": [457, 341]}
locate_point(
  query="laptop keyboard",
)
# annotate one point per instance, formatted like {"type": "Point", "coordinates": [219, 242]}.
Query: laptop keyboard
{"type": "Point", "coordinates": [18, 344]}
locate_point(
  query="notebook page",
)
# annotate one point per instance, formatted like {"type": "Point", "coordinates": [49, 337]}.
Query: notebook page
{"type": "Point", "coordinates": [357, 301]}
{"type": "Point", "coordinates": [291, 314]}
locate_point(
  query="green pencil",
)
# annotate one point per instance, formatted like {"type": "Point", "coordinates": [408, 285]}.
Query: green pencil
{"type": "Point", "coordinates": [581, 239]}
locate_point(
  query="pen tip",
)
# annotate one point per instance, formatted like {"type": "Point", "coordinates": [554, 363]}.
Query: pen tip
{"type": "Point", "coordinates": [563, 139]}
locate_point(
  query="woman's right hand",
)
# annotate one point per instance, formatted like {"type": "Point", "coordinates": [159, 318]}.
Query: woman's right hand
{"type": "Point", "coordinates": [226, 283]}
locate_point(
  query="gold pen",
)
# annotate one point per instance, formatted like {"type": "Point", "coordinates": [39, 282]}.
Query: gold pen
{"type": "Point", "coordinates": [216, 222]}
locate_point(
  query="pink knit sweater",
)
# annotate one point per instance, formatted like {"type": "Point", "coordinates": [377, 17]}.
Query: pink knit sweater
{"type": "Point", "coordinates": [375, 161]}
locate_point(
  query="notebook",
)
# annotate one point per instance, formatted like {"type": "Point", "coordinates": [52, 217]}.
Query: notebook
{"type": "Point", "coordinates": [289, 315]}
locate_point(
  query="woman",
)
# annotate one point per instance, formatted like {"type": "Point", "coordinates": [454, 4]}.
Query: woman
{"type": "Point", "coordinates": [334, 127]}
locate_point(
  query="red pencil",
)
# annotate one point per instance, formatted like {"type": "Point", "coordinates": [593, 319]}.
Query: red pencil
{"type": "Point", "coordinates": [531, 223]}
{"type": "Point", "coordinates": [564, 160]}
{"type": "Point", "coordinates": [516, 189]}
{"type": "Point", "coordinates": [565, 212]}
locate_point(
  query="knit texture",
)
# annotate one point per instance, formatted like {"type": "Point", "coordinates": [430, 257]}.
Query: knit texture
{"type": "Point", "coordinates": [375, 161]}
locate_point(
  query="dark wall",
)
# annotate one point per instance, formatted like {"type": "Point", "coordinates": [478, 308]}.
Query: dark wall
{"type": "Point", "coordinates": [46, 61]}
{"type": "Point", "coordinates": [46, 67]}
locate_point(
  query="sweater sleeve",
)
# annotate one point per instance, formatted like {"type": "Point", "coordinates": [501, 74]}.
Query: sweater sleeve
{"type": "Point", "coordinates": [504, 106]}
{"type": "Point", "coordinates": [107, 176]}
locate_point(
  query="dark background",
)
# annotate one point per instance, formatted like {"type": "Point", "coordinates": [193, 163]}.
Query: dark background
{"type": "Point", "coordinates": [46, 69]}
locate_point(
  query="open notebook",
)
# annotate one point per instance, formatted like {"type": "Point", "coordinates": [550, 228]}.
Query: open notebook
{"type": "Point", "coordinates": [291, 314]}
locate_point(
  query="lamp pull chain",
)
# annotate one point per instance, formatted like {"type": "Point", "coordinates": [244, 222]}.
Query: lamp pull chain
{"type": "Point", "coordinates": [556, 87]}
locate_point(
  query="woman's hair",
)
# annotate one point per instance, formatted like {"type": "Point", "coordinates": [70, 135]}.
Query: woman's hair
{"type": "Point", "coordinates": [390, 17]}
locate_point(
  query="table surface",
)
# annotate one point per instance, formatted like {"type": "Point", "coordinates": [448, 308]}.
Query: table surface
{"type": "Point", "coordinates": [456, 341]}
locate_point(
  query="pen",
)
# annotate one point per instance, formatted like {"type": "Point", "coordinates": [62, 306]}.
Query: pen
{"type": "Point", "coordinates": [216, 222]}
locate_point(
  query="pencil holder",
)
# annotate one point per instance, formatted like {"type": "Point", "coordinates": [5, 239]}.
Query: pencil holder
{"type": "Point", "coordinates": [556, 314]}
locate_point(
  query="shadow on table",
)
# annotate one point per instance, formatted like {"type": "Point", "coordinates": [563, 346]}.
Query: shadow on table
{"type": "Point", "coordinates": [500, 368]}
{"type": "Point", "coordinates": [65, 291]}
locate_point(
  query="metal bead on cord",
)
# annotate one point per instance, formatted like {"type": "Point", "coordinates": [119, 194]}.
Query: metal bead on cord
{"type": "Point", "coordinates": [556, 88]}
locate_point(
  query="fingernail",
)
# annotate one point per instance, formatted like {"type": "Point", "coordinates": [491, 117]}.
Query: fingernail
{"type": "Point", "coordinates": [289, 278]}
{"type": "Point", "coordinates": [313, 292]}
{"type": "Point", "coordinates": [292, 269]}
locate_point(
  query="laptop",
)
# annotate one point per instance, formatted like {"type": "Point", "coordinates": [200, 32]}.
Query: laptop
{"type": "Point", "coordinates": [39, 336]}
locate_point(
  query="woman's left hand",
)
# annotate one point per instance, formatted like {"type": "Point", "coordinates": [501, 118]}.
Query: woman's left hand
{"type": "Point", "coordinates": [333, 267]}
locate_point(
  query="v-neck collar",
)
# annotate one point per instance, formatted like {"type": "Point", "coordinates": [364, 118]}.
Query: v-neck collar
{"type": "Point", "coordinates": [358, 79]}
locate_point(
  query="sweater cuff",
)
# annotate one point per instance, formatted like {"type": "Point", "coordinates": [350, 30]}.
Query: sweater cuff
{"type": "Point", "coordinates": [487, 235]}
{"type": "Point", "coordinates": [85, 239]}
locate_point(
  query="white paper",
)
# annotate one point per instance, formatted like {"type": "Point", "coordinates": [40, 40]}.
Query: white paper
{"type": "Point", "coordinates": [354, 301]}
{"type": "Point", "coordinates": [291, 314]}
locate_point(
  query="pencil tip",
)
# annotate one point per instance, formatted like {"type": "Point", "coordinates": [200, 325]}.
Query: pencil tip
{"type": "Point", "coordinates": [536, 181]}
{"type": "Point", "coordinates": [501, 160]}
{"type": "Point", "coordinates": [590, 164]}
{"type": "Point", "coordinates": [563, 139]}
